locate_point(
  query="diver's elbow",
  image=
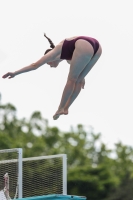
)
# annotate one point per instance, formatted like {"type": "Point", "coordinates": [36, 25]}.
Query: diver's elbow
{"type": "Point", "coordinates": [35, 66]}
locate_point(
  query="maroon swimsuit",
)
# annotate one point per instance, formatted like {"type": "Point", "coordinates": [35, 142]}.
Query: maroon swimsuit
{"type": "Point", "coordinates": [69, 46]}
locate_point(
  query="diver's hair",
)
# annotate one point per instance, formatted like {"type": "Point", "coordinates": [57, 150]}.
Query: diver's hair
{"type": "Point", "coordinates": [51, 44]}
{"type": "Point", "coordinates": [47, 51]}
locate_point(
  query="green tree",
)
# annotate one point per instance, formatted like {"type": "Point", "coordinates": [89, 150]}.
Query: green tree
{"type": "Point", "coordinates": [92, 172]}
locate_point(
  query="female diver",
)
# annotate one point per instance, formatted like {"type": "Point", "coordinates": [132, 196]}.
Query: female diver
{"type": "Point", "coordinates": [81, 52]}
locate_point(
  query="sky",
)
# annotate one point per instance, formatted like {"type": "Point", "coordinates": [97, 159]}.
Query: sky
{"type": "Point", "coordinates": [106, 102]}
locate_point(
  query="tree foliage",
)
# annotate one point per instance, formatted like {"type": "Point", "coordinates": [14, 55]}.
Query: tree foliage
{"type": "Point", "coordinates": [92, 172]}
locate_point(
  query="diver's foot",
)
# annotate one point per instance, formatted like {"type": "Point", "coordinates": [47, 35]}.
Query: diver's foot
{"type": "Point", "coordinates": [60, 112]}
{"type": "Point", "coordinates": [65, 111]}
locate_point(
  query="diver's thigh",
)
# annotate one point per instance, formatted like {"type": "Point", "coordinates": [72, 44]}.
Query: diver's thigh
{"type": "Point", "coordinates": [89, 66]}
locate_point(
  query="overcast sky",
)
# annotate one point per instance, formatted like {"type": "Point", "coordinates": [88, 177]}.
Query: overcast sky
{"type": "Point", "coordinates": [106, 103]}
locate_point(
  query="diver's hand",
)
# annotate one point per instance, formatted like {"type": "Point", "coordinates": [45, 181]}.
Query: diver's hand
{"type": "Point", "coordinates": [83, 84]}
{"type": "Point", "coordinates": [9, 75]}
